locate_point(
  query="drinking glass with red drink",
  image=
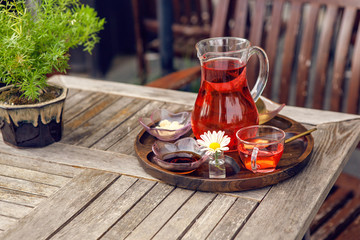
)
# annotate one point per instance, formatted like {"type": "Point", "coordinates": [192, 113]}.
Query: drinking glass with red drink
{"type": "Point", "coordinates": [224, 101]}
{"type": "Point", "coordinates": [260, 147]}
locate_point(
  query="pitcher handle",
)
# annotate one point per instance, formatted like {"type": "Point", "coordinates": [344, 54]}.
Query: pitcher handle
{"type": "Point", "coordinates": [263, 72]}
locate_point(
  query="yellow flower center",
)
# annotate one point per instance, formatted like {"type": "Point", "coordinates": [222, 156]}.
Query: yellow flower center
{"type": "Point", "coordinates": [214, 145]}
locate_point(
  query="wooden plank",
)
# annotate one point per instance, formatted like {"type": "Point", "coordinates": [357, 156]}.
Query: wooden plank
{"type": "Point", "coordinates": [126, 144]}
{"type": "Point", "coordinates": [333, 203]}
{"type": "Point", "coordinates": [351, 231]}
{"type": "Point", "coordinates": [314, 116]}
{"type": "Point", "coordinates": [185, 216]}
{"type": "Point", "coordinates": [346, 187]}
{"type": "Point", "coordinates": [27, 162]}
{"type": "Point", "coordinates": [271, 43]}
{"type": "Point", "coordinates": [74, 136]}
{"type": "Point", "coordinates": [157, 218]}
{"type": "Point", "coordinates": [210, 218]}
{"type": "Point", "coordinates": [354, 84]}
{"type": "Point", "coordinates": [240, 19]}
{"type": "Point", "coordinates": [322, 57]}
{"type": "Point", "coordinates": [20, 198]}
{"type": "Point", "coordinates": [349, 182]}
{"type": "Point", "coordinates": [34, 176]}
{"type": "Point", "coordinates": [50, 216]}
{"type": "Point", "coordinates": [219, 20]}
{"type": "Point", "coordinates": [299, 198]}
{"type": "Point", "coordinates": [72, 93]}
{"type": "Point", "coordinates": [343, 43]}
{"type": "Point", "coordinates": [103, 123]}
{"type": "Point", "coordinates": [83, 157]}
{"type": "Point", "coordinates": [126, 127]}
{"type": "Point", "coordinates": [305, 54]}
{"type": "Point", "coordinates": [257, 23]}
{"type": "Point", "coordinates": [256, 194]}
{"type": "Point", "coordinates": [79, 103]}
{"type": "Point", "coordinates": [343, 3]}
{"type": "Point", "coordinates": [177, 80]}
{"type": "Point", "coordinates": [256, 31]}
{"type": "Point", "coordinates": [14, 210]}
{"type": "Point", "coordinates": [106, 209]}
{"type": "Point", "coordinates": [292, 29]}
{"type": "Point", "coordinates": [234, 219]}
{"type": "Point", "coordinates": [340, 220]}
{"type": "Point", "coordinates": [129, 90]}
{"type": "Point", "coordinates": [6, 223]}
{"type": "Point", "coordinates": [144, 207]}
{"type": "Point", "coordinates": [27, 186]}
{"type": "Point", "coordinates": [91, 112]}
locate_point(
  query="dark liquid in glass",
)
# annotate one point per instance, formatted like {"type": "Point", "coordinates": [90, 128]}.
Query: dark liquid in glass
{"type": "Point", "coordinates": [182, 160]}
{"type": "Point", "coordinates": [182, 157]}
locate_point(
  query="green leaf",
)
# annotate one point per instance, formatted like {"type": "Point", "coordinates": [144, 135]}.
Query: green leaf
{"type": "Point", "coordinates": [37, 40]}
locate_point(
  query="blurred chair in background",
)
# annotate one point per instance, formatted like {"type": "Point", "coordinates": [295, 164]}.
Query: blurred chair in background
{"type": "Point", "coordinates": [313, 49]}
{"type": "Point", "coordinates": [190, 22]}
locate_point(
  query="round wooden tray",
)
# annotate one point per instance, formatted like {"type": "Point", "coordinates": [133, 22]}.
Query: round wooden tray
{"type": "Point", "coordinates": [295, 157]}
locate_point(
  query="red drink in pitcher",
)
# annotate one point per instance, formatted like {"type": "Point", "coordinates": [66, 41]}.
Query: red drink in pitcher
{"type": "Point", "coordinates": [224, 101]}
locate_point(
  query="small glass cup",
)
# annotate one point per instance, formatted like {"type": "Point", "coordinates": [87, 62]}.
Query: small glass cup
{"type": "Point", "coordinates": [184, 156]}
{"type": "Point", "coordinates": [260, 147]}
{"type": "Point", "coordinates": [152, 127]}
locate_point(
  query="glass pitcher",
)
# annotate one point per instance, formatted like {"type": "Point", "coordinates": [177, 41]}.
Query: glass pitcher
{"type": "Point", "coordinates": [224, 101]}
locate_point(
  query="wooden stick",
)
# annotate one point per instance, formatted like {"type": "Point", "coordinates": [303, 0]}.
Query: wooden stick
{"type": "Point", "coordinates": [300, 135]}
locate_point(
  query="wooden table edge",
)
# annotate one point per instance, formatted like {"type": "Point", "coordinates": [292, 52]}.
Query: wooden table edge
{"type": "Point", "coordinates": [299, 114]}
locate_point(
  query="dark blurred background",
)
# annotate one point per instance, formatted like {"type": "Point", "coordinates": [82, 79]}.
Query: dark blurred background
{"type": "Point", "coordinates": [115, 58]}
{"type": "Point", "coordinates": [117, 39]}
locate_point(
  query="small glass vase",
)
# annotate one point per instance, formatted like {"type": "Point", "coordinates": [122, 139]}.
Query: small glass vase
{"type": "Point", "coordinates": [217, 165]}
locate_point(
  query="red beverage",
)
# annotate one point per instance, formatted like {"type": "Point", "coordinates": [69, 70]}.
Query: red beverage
{"type": "Point", "coordinates": [182, 157]}
{"type": "Point", "coordinates": [224, 101]}
{"type": "Point", "coordinates": [268, 155]}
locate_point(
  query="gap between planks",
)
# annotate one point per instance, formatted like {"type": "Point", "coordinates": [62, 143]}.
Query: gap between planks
{"type": "Point", "coordinates": [68, 202]}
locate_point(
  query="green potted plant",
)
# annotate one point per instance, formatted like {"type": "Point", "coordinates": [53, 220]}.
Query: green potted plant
{"type": "Point", "coordinates": [35, 38]}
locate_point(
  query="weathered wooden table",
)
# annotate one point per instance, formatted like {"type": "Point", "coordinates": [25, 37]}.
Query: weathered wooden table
{"type": "Point", "coordinates": [90, 185]}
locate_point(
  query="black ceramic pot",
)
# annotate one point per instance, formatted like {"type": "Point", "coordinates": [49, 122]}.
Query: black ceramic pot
{"type": "Point", "coordinates": [32, 125]}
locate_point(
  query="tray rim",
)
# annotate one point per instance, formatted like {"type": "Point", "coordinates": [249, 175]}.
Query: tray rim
{"type": "Point", "coordinates": [236, 184]}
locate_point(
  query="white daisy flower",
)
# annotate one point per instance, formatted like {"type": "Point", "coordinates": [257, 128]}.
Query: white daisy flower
{"type": "Point", "coordinates": [214, 142]}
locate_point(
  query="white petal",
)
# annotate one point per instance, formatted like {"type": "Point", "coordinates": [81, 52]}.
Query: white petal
{"type": "Point", "coordinates": [220, 136]}
{"type": "Point", "coordinates": [205, 138]}
{"type": "Point", "coordinates": [225, 148]}
{"type": "Point", "coordinates": [201, 143]}
{"type": "Point", "coordinates": [209, 135]}
{"type": "Point", "coordinates": [214, 137]}
{"type": "Point", "coordinates": [225, 141]}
